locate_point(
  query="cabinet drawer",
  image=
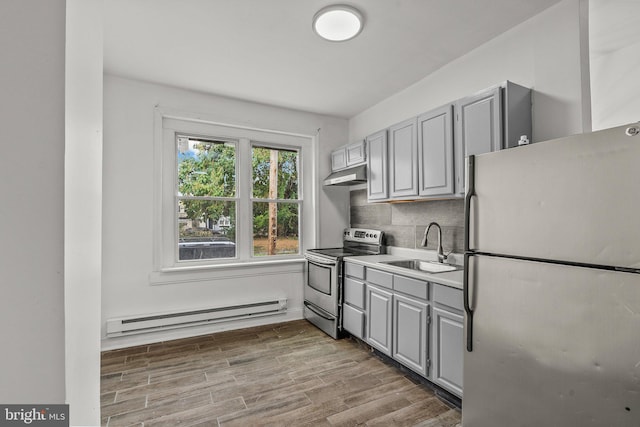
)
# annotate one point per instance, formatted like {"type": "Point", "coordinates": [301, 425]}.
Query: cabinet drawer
{"type": "Point", "coordinates": [354, 292]}
{"type": "Point", "coordinates": [353, 321]}
{"type": "Point", "coordinates": [450, 297]}
{"type": "Point", "coordinates": [416, 288]}
{"type": "Point", "coordinates": [380, 278]}
{"type": "Point", "coordinates": [354, 270]}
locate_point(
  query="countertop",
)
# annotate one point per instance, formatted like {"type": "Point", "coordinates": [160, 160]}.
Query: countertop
{"type": "Point", "coordinates": [448, 278]}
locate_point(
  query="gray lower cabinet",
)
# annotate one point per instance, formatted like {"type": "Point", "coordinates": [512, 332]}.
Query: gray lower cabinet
{"type": "Point", "coordinates": [417, 323]}
{"type": "Point", "coordinates": [448, 338]}
{"type": "Point", "coordinates": [353, 314]}
{"type": "Point", "coordinates": [379, 308]}
{"type": "Point", "coordinates": [411, 333]}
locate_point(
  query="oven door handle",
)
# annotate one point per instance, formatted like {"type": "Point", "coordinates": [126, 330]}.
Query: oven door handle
{"type": "Point", "coordinates": [320, 260]}
{"type": "Point", "coordinates": [317, 311]}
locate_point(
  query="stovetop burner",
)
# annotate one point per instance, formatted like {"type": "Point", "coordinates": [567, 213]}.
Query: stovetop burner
{"type": "Point", "coordinates": [356, 241]}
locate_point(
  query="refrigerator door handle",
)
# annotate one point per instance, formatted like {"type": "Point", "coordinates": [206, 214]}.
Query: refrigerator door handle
{"type": "Point", "coordinates": [468, 327]}
{"type": "Point", "coordinates": [468, 252]}
{"type": "Point", "coordinates": [471, 192]}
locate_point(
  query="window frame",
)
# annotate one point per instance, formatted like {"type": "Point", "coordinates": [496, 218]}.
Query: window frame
{"type": "Point", "coordinates": [170, 123]}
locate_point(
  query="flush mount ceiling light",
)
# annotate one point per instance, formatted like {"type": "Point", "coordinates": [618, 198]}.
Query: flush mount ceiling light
{"type": "Point", "coordinates": [338, 23]}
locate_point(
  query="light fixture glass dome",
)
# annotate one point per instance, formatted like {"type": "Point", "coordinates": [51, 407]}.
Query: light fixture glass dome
{"type": "Point", "coordinates": [338, 23]}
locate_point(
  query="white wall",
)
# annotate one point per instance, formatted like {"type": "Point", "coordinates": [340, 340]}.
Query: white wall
{"type": "Point", "coordinates": [545, 53]}
{"type": "Point", "coordinates": [83, 209]}
{"type": "Point", "coordinates": [127, 287]}
{"type": "Point", "coordinates": [615, 62]}
{"type": "Point", "coordinates": [32, 42]}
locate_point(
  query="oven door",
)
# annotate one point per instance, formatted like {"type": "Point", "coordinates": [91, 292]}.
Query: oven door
{"type": "Point", "coordinates": [322, 285]}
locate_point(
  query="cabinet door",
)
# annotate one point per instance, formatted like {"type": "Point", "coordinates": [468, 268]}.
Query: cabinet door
{"type": "Point", "coordinates": [377, 185]}
{"type": "Point", "coordinates": [353, 321]}
{"type": "Point", "coordinates": [478, 128]}
{"type": "Point", "coordinates": [448, 350]}
{"type": "Point", "coordinates": [411, 333]}
{"type": "Point", "coordinates": [379, 308]}
{"type": "Point", "coordinates": [435, 152]}
{"type": "Point", "coordinates": [338, 159]}
{"type": "Point", "coordinates": [403, 156]}
{"type": "Point", "coordinates": [355, 153]}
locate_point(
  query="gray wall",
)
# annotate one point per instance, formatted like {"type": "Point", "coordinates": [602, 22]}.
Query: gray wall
{"type": "Point", "coordinates": [404, 223]}
{"type": "Point", "coordinates": [32, 111]}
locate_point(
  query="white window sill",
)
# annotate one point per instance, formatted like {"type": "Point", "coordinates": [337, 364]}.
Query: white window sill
{"type": "Point", "coordinates": [213, 272]}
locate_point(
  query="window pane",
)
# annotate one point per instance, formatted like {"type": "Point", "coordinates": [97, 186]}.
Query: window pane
{"type": "Point", "coordinates": [206, 229]}
{"type": "Point", "coordinates": [275, 173]}
{"type": "Point", "coordinates": [282, 221]}
{"type": "Point", "coordinates": [206, 167]}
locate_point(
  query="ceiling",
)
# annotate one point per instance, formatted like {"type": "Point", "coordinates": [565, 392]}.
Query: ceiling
{"type": "Point", "coordinates": [265, 51]}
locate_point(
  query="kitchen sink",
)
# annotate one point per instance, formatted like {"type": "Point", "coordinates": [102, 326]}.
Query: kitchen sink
{"type": "Point", "coordinates": [426, 266]}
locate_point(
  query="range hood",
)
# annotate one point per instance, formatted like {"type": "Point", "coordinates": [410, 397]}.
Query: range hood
{"type": "Point", "coordinates": [350, 176]}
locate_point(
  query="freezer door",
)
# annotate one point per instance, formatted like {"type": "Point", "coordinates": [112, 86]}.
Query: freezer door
{"type": "Point", "coordinates": [552, 346]}
{"type": "Point", "coordinates": [573, 199]}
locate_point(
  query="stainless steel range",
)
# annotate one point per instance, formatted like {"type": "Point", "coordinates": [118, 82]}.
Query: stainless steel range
{"type": "Point", "coordinates": [323, 284]}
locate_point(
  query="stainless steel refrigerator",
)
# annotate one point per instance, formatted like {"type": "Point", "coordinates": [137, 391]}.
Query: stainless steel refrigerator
{"type": "Point", "coordinates": [552, 283]}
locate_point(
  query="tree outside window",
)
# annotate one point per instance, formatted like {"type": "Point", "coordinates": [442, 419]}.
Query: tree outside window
{"type": "Point", "coordinates": [206, 198]}
{"type": "Point", "coordinates": [276, 204]}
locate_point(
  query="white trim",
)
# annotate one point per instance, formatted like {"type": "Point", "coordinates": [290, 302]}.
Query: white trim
{"type": "Point", "coordinates": [225, 272]}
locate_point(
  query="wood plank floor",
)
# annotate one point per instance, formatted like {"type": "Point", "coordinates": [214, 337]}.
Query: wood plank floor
{"type": "Point", "coordinates": [288, 374]}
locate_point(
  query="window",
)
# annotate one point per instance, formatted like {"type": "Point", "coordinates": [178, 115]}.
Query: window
{"type": "Point", "coordinates": [229, 195]}
{"type": "Point", "coordinates": [206, 198]}
{"type": "Point", "coordinates": [276, 206]}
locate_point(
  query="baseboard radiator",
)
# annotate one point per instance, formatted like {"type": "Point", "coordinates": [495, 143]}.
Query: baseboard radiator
{"type": "Point", "coordinates": [171, 320]}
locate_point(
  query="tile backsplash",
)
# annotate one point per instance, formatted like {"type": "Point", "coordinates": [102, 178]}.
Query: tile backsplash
{"type": "Point", "coordinates": [404, 223]}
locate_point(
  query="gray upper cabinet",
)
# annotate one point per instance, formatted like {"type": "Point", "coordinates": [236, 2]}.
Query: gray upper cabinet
{"type": "Point", "coordinates": [435, 152]}
{"type": "Point", "coordinates": [338, 159]}
{"type": "Point", "coordinates": [489, 121]}
{"type": "Point", "coordinates": [478, 128]}
{"type": "Point", "coordinates": [377, 184]}
{"type": "Point", "coordinates": [347, 156]}
{"type": "Point", "coordinates": [403, 153]}
{"type": "Point", "coordinates": [425, 156]}
{"type": "Point", "coordinates": [355, 153]}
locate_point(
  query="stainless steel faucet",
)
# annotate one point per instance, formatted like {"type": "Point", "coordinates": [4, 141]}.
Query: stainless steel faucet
{"type": "Point", "coordinates": [441, 255]}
